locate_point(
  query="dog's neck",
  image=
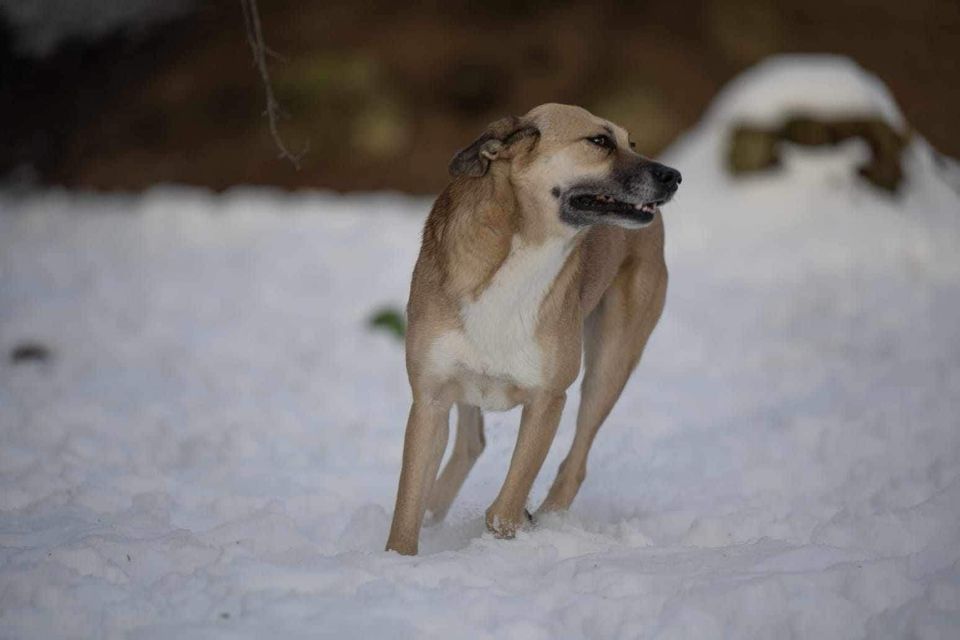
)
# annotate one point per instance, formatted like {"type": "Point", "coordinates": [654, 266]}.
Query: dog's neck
{"type": "Point", "coordinates": [481, 231]}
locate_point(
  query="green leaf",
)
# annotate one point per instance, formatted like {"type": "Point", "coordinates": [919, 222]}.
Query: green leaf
{"type": "Point", "coordinates": [389, 319]}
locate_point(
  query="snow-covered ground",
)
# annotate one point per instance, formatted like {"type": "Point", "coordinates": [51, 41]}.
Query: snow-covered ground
{"type": "Point", "coordinates": [212, 449]}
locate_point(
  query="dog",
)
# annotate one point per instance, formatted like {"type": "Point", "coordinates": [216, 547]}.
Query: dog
{"type": "Point", "coordinates": [546, 248]}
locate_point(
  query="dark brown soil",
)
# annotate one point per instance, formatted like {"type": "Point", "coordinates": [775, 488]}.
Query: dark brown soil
{"type": "Point", "coordinates": [384, 93]}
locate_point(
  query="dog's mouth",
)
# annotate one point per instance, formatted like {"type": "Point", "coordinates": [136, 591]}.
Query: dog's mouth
{"type": "Point", "coordinates": [605, 204]}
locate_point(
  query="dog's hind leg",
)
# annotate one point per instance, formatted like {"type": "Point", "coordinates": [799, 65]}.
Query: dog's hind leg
{"type": "Point", "coordinates": [423, 446]}
{"type": "Point", "coordinates": [466, 449]}
{"type": "Point", "coordinates": [615, 334]}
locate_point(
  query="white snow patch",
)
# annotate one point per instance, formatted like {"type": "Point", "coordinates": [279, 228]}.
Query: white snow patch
{"type": "Point", "coordinates": [214, 447]}
{"type": "Point", "coordinates": [824, 85]}
{"type": "Point", "coordinates": [42, 25]}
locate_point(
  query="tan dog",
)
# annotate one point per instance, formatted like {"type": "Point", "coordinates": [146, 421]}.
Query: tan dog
{"type": "Point", "coordinates": [547, 243]}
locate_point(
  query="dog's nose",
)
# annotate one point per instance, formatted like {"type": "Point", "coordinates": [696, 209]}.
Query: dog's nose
{"type": "Point", "coordinates": [666, 176]}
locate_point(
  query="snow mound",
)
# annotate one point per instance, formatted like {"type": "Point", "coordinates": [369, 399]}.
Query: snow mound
{"type": "Point", "coordinates": [819, 85]}
{"type": "Point", "coordinates": [211, 447]}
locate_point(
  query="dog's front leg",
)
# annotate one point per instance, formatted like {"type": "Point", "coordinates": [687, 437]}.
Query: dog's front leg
{"type": "Point", "coordinates": [538, 426]}
{"type": "Point", "coordinates": [423, 447]}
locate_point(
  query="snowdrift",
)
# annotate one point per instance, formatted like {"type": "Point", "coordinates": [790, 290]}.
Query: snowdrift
{"type": "Point", "coordinates": [211, 447]}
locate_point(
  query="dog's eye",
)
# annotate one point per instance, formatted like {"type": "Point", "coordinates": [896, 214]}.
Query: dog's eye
{"type": "Point", "coordinates": [604, 142]}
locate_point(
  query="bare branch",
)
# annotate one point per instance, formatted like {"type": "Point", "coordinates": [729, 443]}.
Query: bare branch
{"type": "Point", "coordinates": [251, 19]}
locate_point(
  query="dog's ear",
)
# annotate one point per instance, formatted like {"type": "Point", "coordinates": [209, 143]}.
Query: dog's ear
{"type": "Point", "coordinates": [498, 141]}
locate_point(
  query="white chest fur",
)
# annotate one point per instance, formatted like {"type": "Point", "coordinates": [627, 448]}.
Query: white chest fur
{"type": "Point", "coordinates": [498, 341]}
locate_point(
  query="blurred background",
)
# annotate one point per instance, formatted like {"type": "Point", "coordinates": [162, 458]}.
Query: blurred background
{"type": "Point", "coordinates": [122, 94]}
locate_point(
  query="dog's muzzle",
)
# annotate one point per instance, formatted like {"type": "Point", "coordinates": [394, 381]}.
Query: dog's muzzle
{"type": "Point", "coordinates": [631, 198]}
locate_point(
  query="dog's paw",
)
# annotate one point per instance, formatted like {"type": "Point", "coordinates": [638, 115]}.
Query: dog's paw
{"type": "Point", "coordinates": [403, 547]}
{"type": "Point", "coordinates": [506, 527]}
{"type": "Point", "coordinates": [432, 519]}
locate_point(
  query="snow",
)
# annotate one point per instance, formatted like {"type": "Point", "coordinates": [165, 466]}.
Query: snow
{"type": "Point", "coordinates": [213, 447]}
{"type": "Point", "coordinates": [42, 25]}
{"type": "Point", "coordinates": [822, 84]}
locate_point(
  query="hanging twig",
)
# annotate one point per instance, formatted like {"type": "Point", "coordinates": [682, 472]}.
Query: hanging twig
{"type": "Point", "coordinates": [251, 18]}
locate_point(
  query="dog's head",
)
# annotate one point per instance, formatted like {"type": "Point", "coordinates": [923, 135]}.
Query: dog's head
{"type": "Point", "coordinates": [574, 165]}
